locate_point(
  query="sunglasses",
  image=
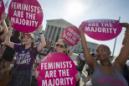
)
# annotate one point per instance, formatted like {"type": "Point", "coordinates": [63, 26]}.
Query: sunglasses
{"type": "Point", "coordinates": [59, 45]}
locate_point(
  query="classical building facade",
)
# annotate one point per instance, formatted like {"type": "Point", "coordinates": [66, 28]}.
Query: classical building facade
{"type": "Point", "coordinates": [54, 29]}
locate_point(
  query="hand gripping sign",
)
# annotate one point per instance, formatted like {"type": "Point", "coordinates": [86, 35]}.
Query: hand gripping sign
{"type": "Point", "coordinates": [101, 29]}
{"type": "Point", "coordinates": [57, 69]}
{"type": "Point", "coordinates": [2, 8]}
{"type": "Point", "coordinates": [25, 15]}
{"type": "Point", "coordinates": [71, 35]}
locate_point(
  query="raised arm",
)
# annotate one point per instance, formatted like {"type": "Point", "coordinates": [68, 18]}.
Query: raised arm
{"type": "Point", "coordinates": [4, 26]}
{"type": "Point", "coordinates": [3, 29]}
{"type": "Point", "coordinates": [42, 43]}
{"type": "Point", "coordinates": [89, 59]}
{"type": "Point", "coordinates": [7, 41]}
{"type": "Point", "coordinates": [124, 53]}
{"type": "Point", "coordinates": [3, 23]}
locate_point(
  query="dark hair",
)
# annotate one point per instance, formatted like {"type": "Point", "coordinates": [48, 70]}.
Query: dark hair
{"type": "Point", "coordinates": [104, 46]}
{"type": "Point", "coordinates": [16, 34]}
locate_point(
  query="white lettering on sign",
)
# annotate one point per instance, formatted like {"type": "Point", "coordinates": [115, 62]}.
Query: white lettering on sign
{"type": "Point", "coordinates": [95, 24]}
{"type": "Point", "coordinates": [106, 24]}
{"type": "Point", "coordinates": [64, 72]}
{"type": "Point", "coordinates": [25, 22]}
{"type": "Point", "coordinates": [25, 7]}
{"type": "Point", "coordinates": [23, 58]}
{"type": "Point", "coordinates": [25, 14]}
{"type": "Point", "coordinates": [101, 30]}
{"type": "Point", "coordinates": [50, 74]}
{"type": "Point", "coordinates": [30, 16]}
{"type": "Point", "coordinates": [58, 82]}
{"type": "Point", "coordinates": [56, 72]}
{"type": "Point", "coordinates": [74, 33]}
{"type": "Point", "coordinates": [18, 13]}
{"type": "Point", "coordinates": [56, 65]}
{"type": "Point", "coordinates": [69, 37]}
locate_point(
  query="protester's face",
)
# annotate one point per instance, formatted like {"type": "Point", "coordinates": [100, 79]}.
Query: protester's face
{"type": "Point", "coordinates": [27, 39]}
{"type": "Point", "coordinates": [103, 53]}
{"type": "Point", "coordinates": [59, 47]}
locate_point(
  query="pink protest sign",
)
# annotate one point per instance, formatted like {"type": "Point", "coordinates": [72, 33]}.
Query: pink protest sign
{"type": "Point", "coordinates": [2, 8]}
{"type": "Point", "coordinates": [71, 35]}
{"type": "Point", "coordinates": [101, 29]}
{"type": "Point", "coordinates": [57, 69]}
{"type": "Point", "coordinates": [25, 15]}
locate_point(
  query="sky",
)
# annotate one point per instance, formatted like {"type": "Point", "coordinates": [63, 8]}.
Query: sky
{"type": "Point", "coordinates": [77, 11]}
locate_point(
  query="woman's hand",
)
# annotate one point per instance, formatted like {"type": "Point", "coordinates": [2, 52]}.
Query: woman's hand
{"type": "Point", "coordinates": [3, 17]}
{"type": "Point", "coordinates": [90, 60]}
{"type": "Point", "coordinates": [124, 52]}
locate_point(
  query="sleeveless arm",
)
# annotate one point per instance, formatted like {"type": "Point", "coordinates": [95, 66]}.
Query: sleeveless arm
{"type": "Point", "coordinates": [7, 41]}
{"type": "Point", "coordinates": [124, 52]}
{"type": "Point", "coordinates": [89, 59]}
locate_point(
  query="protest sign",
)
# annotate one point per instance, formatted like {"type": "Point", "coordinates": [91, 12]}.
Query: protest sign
{"type": "Point", "coordinates": [71, 35]}
{"type": "Point", "coordinates": [101, 29]}
{"type": "Point", "coordinates": [25, 15]}
{"type": "Point", "coordinates": [57, 69]}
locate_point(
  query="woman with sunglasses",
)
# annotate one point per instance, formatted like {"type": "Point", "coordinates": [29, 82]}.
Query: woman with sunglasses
{"type": "Point", "coordinates": [107, 73]}
{"type": "Point", "coordinates": [61, 46]}
{"type": "Point", "coordinates": [25, 56]}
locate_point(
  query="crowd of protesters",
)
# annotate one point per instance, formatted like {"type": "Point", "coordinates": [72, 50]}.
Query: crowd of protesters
{"type": "Point", "coordinates": [18, 53]}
